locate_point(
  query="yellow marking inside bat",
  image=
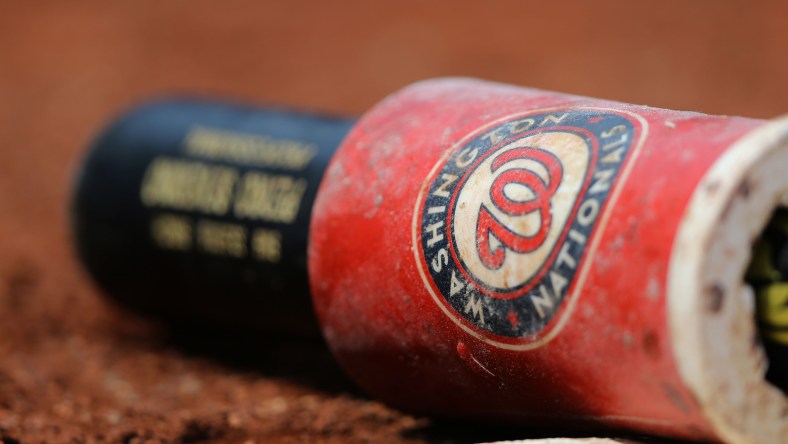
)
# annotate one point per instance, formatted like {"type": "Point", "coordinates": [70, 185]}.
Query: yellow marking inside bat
{"type": "Point", "coordinates": [769, 280]}
{"type": "Point", "coordinates": [773, 305]}
{"type": "Point", "coordinates": [777, 336]}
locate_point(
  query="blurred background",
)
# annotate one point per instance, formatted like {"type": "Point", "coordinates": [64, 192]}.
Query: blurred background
{"type": "Point", "coordinates": [72, 366]}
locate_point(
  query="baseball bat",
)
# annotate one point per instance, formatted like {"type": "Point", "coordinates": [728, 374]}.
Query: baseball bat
{"type": "Point", "coordinates": [484, 251]}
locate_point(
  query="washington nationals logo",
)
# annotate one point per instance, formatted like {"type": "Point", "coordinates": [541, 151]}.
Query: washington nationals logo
{"type": "Point", "coordinates": [503, 223]}
{"type": "Point", "coordinates": [541, 192]}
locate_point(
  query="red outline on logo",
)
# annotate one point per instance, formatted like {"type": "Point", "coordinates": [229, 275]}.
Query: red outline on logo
{"type": "Point", "coordinates": [540, 203]}
{"type": "Point", "coordinates": [549, 260]}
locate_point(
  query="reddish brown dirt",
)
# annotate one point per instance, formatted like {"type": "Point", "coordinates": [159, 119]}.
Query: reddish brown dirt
{"type": "Point", "coordinates": [75, 369]}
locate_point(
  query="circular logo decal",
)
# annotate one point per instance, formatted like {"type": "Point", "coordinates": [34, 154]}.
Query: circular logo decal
{"type": "Point", "coordinates": [505, 218]}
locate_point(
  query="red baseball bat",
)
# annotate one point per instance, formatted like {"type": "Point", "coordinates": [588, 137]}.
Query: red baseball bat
{"type": "Point", "coordinates": [487, 251]}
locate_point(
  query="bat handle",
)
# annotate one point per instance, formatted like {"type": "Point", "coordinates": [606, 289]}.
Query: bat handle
{"type": "Point", "coordinates": [197, 210]}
